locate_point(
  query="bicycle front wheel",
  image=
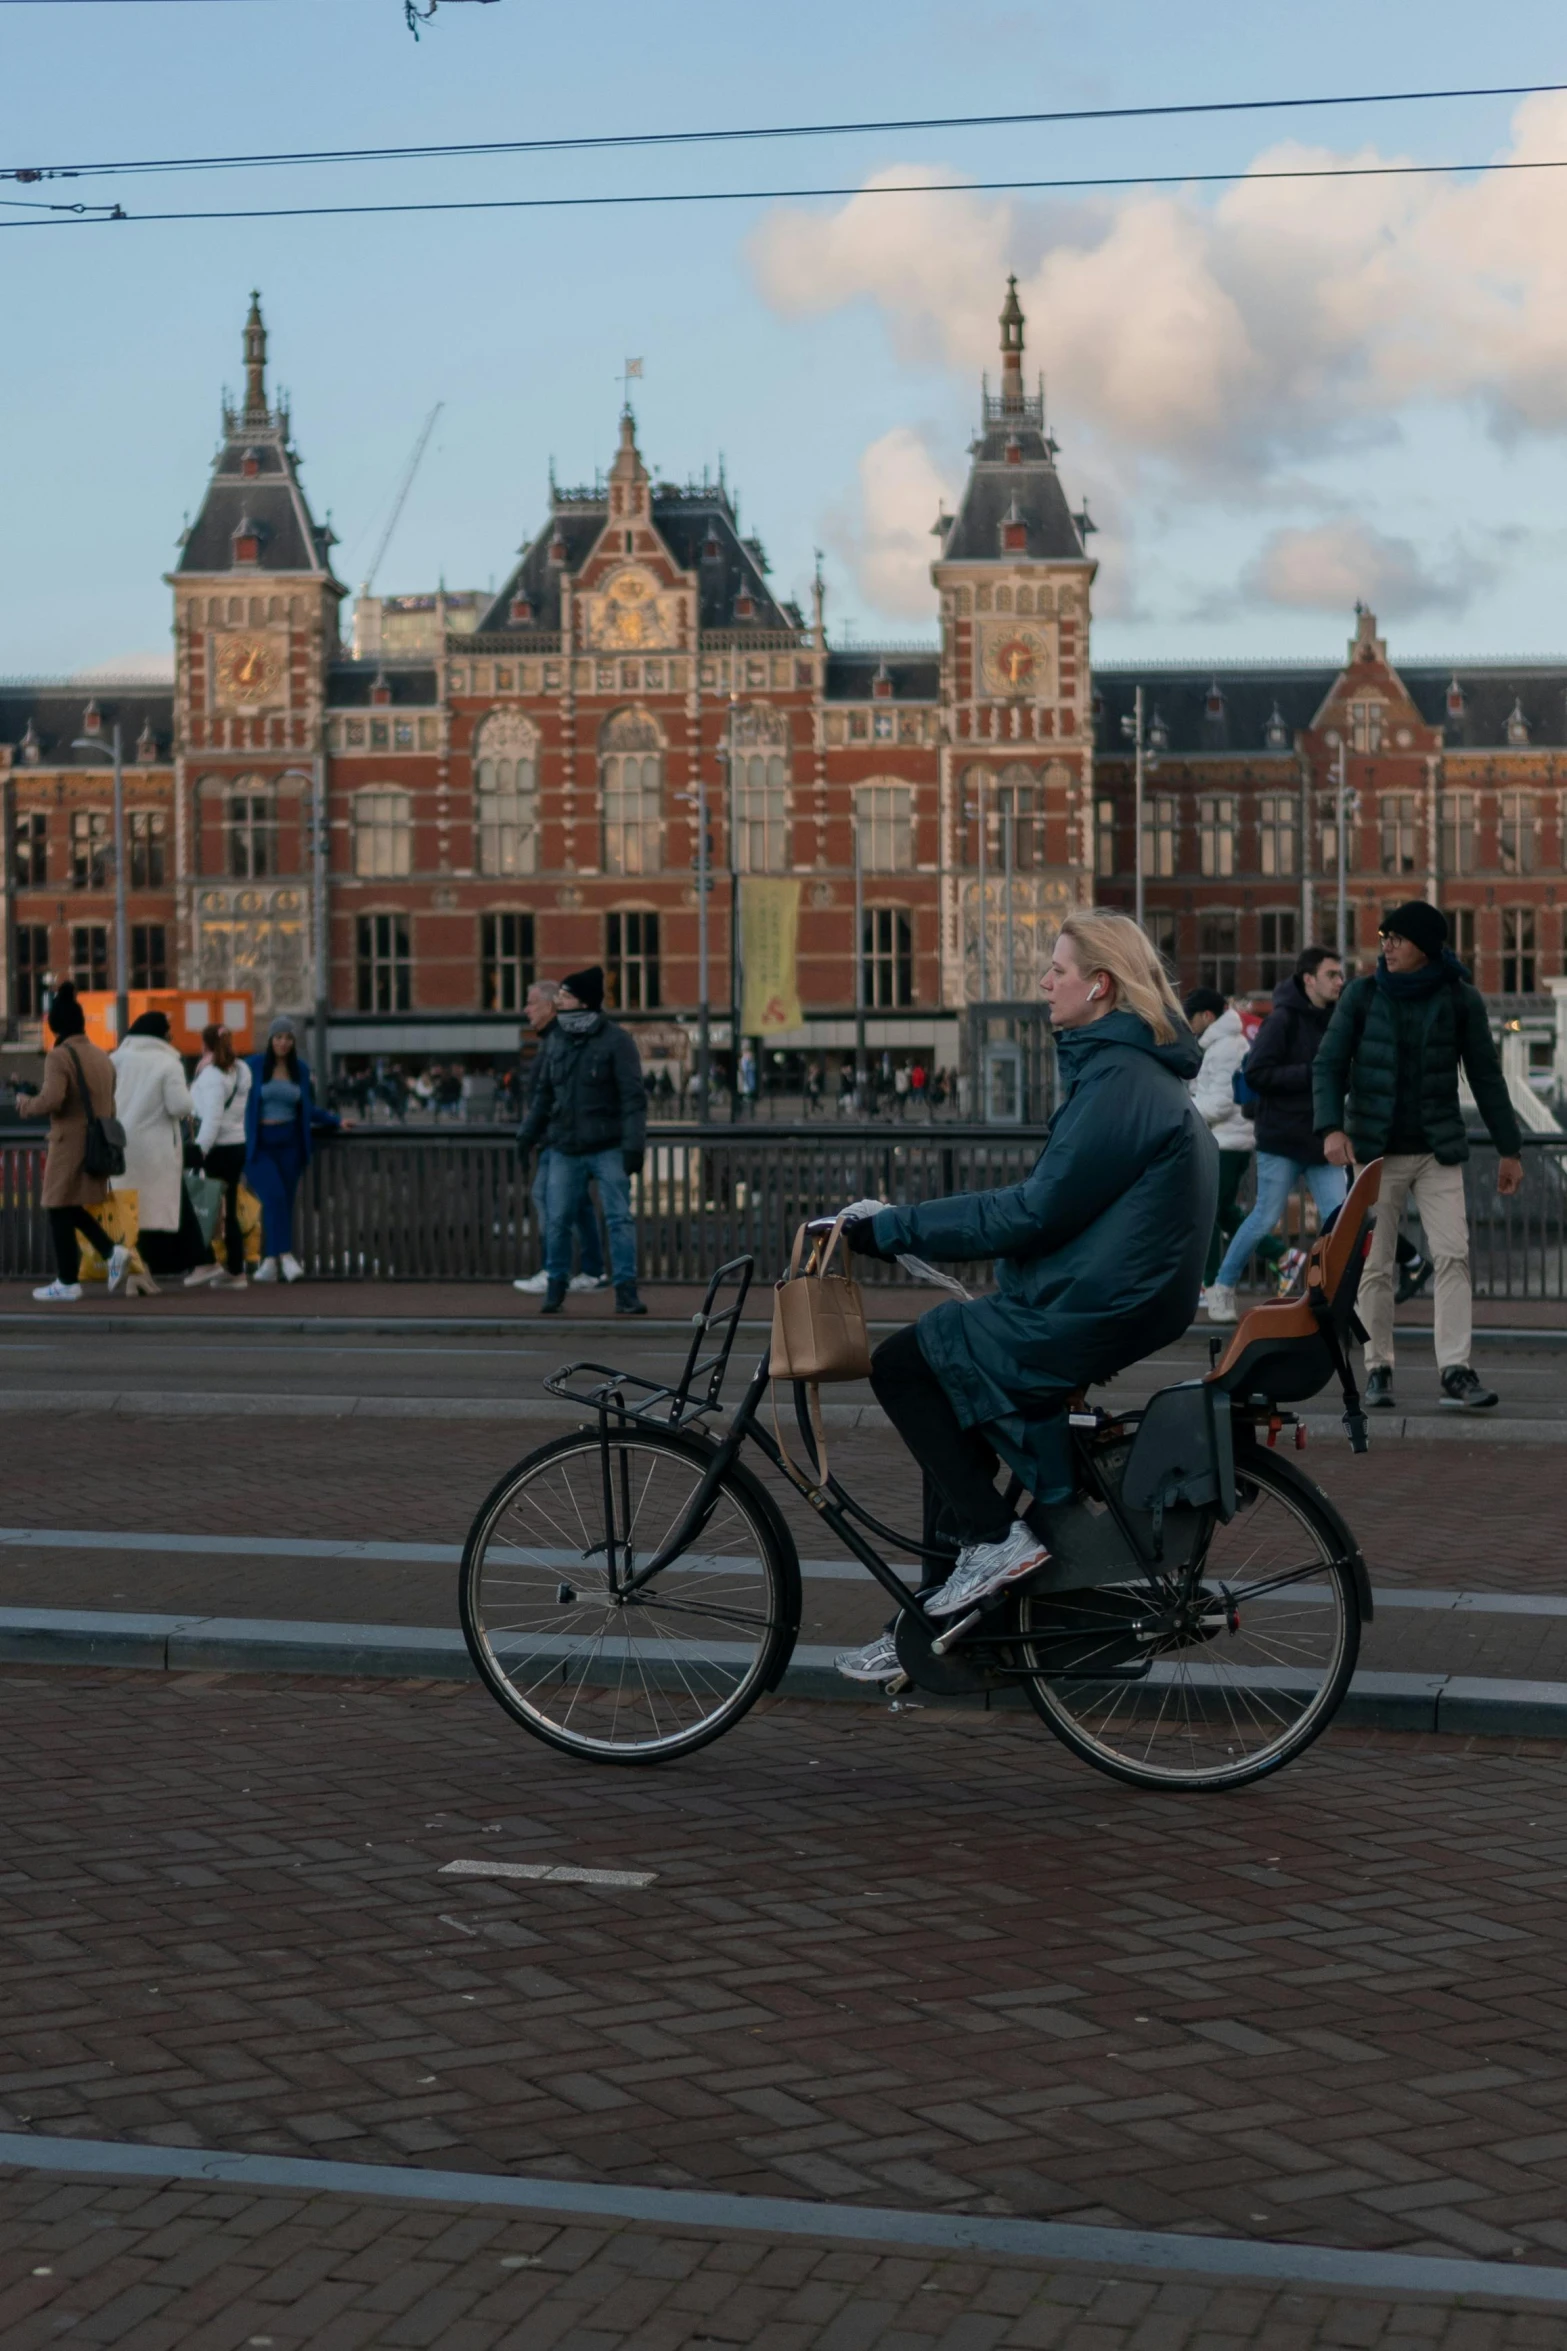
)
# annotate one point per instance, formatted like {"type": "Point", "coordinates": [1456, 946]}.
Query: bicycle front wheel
{"type": "Point", "coordinates": [1222, 1683]}
{"type": "Point", "coordinates": [618, 1675]}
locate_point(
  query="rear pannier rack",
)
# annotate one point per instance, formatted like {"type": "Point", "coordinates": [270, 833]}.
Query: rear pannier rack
{"type": "Point", "coordinates": [670, 1407]}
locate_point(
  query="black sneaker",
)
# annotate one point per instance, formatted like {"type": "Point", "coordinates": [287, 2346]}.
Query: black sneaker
{"type": "Point", "coordinates": [554, 1298]}
{"type": "Point", "coordinates": [626, 1299]}
{"type": "Point", "coordinates": [1413, 1276]}
{"type": "Point", "coordinates": [1379, 1389]}
{"type": "Point", "coordinates": [1461, 1388]}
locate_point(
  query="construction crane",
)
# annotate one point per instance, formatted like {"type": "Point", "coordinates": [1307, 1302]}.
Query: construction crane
{"type": "Point", "coordinates": [401, 499]}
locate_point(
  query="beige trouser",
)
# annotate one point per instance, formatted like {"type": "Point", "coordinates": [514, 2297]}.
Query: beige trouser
{"type": "Point", "coordinates": [1439, 1195]}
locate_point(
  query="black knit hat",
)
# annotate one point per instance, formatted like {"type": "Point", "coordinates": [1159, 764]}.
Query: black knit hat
{"type": "Point", "coordinates": [587, 986]}
{"type": "Point", "coordinates": [1422, 924]}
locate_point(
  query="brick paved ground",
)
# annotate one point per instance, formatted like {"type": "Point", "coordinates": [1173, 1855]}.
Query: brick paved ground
{"type": "Point", "coordinates": [907, 1959]}
{"type": "Point", "coordinates": [152, 2269]}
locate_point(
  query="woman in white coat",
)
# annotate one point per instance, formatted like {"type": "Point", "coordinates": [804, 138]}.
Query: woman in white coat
{"type": "Point", "coordinates": [1218, 1028]}
{"type": "Point", "coordinates": [151, 1097]}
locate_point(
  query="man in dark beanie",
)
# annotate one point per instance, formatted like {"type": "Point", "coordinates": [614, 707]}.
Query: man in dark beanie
{"type": "Point", "coordinates": [1393, 1052]}
{"type": "Point", "coordinates": [589, 1108]}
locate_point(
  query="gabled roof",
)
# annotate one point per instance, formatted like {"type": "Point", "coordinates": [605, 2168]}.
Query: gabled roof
{"type": "Point", "coordinates": [255, 491]}
{"type": "Point", "coordinates": [57, 716]}
{"type": "Point", "coordinates": [1200, 709]}
{"type": "Point", "coordinates": [1536, 691]}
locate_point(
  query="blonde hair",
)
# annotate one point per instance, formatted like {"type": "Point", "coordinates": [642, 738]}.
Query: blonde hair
{"type": "Point", "coordinates": [1115, 944]}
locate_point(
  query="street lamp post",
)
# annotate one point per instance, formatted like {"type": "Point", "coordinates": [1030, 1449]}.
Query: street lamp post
{"type": "Point", "coordinates": [1341, 849]}
{"type": "Point", "coordinates": [734, 912]}
{"type": "Point", "coordinates": [704, 1033]}
{"type": "Point", "coordinates": [1134, 728]}
{"type": "Point", "coordinates": [859, 967]}
{"type": "Point", "coordinates": [1009, 820]}
{"type": "Point", "coordinates": [121, 955]}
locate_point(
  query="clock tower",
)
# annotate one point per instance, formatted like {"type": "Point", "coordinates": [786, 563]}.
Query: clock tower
{"type": "Point", "coordinates": [1014, 577]}
{"type": "Point", "coordinates": [255, 629]}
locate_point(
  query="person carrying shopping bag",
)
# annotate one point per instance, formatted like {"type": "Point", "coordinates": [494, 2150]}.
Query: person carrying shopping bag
{"type": "Point", "coordinates": [77, 1091]}
{"type": "Point", "coordinates": [281, 1117]}
{"type": "Point", "coordinates": [220, 1094]}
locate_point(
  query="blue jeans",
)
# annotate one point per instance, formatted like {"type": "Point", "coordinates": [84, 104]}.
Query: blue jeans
{"type": "Point", "coordinates": [569, 1178]}
{"type": "Point", "coordinates": [273, 1175]}
{"type": "Point", "coordinates": [589, 1247]}
{"type": "Point", "coordinates": [1275, 1179]}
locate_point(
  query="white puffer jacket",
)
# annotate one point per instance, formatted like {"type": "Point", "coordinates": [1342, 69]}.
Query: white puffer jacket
{"type": "Point", "coordinates": [1225, 1046]}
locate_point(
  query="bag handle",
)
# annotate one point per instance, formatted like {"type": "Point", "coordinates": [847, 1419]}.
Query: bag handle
{"type": "Point", "coordinates": [818, 1437]}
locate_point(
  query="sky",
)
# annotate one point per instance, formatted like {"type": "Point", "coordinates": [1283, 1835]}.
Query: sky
{"type": "Point", "coordinates": [1276, 398]}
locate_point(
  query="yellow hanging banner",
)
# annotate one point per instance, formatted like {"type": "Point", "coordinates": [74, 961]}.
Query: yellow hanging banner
{"type": "Point", "coordinates": [769, 948]}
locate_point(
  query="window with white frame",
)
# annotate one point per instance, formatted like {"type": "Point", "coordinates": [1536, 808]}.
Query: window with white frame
{"type": "Point", "coordinates": [1516, 833]}
{"type": "Point", "coordinates": [250, 829]}
{"type": "Point", "coordinates": [1218, 951]}
{"type": "Point", "coordinates": [1399, 816]}
{"type": "Point", "coordinates": [506, 960]}
{"type": "Point", "coordinates": [505, 794]}
{"type": "Point", "coordinates": [884, 827]}
{"type": "Point", "coordinates": [1161, 835]}
{"type": "Point", "coordinates": [1457, 828]}
{"type": "Point", "coordinates": [1365, 725]}
{"type": "Point", "coordinates": [759, 756]}
{"type": "Point", "coordinates": [1020, 814]}
{"type": "Point", "coordinates": [631, 779]}
{"type": "Point", "coordinates": [631, 961]}
{"type": "Point", "coordinates": [1104, 839]}
{"type": "Point", "coordinates": [383, 834]}
{"type": "Point", "coordinates": [1216, 836]}
{"type": "Point", "coordinates": [887, 957]}
{"type": "Point", "coordinates": [1461, 933]}
{"type": "Point", "coordinates": [1277, 815]}
{"type": "Point", "coordinates": [1278, 942]}
{"type": "Point", "coordinates": [383, 962]}
{"type": "Point", "coordinates": [1519, 955]}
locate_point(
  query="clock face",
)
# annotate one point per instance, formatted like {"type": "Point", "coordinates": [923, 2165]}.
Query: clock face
{"type": "Point", "coordinates": [247, 671]}
{"type": "Point", "coordinates": [1015, 660]}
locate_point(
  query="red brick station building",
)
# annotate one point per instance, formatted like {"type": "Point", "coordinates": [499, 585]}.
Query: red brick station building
{"type": "Point", "coordinates": [511, 781]}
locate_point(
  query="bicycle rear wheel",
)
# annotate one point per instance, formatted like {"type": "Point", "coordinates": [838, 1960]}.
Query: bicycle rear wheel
{"type": "Point", "coordinates": [1231, 1686]}
{"type": "Point", "coordinates": [617, 1676]}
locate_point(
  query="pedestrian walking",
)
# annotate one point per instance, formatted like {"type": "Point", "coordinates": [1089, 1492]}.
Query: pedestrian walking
{"type": "Point", "coordinates": [219, 1093]}
{"type": "Point", "coordinates": [78, 1084]}
{"type": "Point", "coordinates": [1219, 1030]}
{"type": "Point", "coordinates": [589, 1108]}
{"type": "Point", "coordinates": [152, 1101]}
{"type": "Point", "coordinates": [281, 1117]}
{"type": "Point", "coordinates": [1385, 1084]}
{"type": "Point", "coordinates": [1289, 1149]}
{"type": "Point", "coordinates": [539, 1012]}
{"type": "Point", "coordinates": [746, 1078]}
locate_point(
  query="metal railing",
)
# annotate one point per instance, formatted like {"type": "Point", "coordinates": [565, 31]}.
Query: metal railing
{"type": "Point", "coordinates": [401, 1204]}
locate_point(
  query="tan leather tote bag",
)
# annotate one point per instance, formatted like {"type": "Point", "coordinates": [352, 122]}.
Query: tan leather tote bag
{"type": "Point", "coordinates": [819, 1330]}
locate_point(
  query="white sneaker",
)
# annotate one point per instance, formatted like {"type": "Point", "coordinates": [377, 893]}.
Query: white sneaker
{"type": "Point", "coordinates": [534, 1285]}
{"type": "Point", "coordinates": [876, 1662]}
{"type": "Point", "coordinates": [203, 1273]}
{"type": "Point", "coordinates": [229, 1281]}
{"type": "Point", "coordinates": [293, 1271]}
{"type": "Point", "coordinates": [59, 1293]}
{"type": "Point", "coordinates": [984, 1569]}
{"type": "Point", "coordinates": [1220, 1303]}
{"type": "Point", "coordinates": [588, 1281]}
{"type": "Point", "coordinates": [119, 1268]}
{"type": "Point", "coordinates": [266, 1271]}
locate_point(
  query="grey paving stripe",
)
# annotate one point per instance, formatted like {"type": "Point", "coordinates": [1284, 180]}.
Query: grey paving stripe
{"type": "Point", "coordinates": [780, 2216]}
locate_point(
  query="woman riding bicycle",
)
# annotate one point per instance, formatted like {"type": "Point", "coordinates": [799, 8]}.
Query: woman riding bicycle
{"type": "Point", "coordinates": [1099, 1259]}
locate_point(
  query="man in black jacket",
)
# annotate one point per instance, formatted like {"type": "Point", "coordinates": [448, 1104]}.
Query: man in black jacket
{"type": "Point", "coordinates": [589, 1108]}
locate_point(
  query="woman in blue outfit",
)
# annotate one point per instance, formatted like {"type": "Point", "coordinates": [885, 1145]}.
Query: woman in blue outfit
{"type": "Point", "coordinates": [280, 1116]}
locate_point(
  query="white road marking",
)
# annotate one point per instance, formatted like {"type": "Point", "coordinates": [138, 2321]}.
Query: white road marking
{"type": "Point", "coordinates": [556, 1873]}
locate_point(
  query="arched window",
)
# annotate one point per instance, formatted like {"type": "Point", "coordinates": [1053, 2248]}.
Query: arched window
{"type": "Point", "coordinates": [383, 833]}
{"type": "Point", "coordinates": [884, 820]}
{"type": "Point", "coordinates": [505, 777]}
{"type": "Point", "coordinates": [760, 754]}
{"type": "Point", "coordinates": [631, 777]}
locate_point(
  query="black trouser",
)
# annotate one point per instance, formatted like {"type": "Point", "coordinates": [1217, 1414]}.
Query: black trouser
{"type": "Point", "coordinates": [64, 1225]}
{"type": "Point", "coordinates": [226, 1161]}
{"type": "Point", "coordinates": [957, 1462]}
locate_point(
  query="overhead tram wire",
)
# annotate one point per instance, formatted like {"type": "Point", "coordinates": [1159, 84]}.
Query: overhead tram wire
{"type": "Point", "coordinates": [714, 135]}
{"type": "Point", "coordinates": [106, 215]}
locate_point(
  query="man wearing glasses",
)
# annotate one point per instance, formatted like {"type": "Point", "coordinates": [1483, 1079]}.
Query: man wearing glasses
{"type": "Point", "coordinates": [1393, 1051]}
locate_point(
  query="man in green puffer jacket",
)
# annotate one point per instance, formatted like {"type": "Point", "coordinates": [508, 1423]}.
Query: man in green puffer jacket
{"type": "Point", "coordinates": [1394, 1049]}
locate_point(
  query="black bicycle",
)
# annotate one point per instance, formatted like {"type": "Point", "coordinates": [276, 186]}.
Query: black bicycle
{"type": "Point", "coordinates": [631, 1589]}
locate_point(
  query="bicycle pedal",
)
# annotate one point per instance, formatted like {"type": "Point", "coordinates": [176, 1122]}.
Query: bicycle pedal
{"type": "Point", "coordinates": [965, 1624]}
{"type": "Point", "coordinates": [896, 1687]}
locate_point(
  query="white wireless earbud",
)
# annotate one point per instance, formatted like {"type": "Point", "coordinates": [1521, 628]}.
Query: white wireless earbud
{"type": "Point", "coordinates": [1095, 991]}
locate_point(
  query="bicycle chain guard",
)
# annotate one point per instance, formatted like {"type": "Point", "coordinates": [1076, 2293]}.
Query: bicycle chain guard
{"type": "Point", "coordinates": [952, 1676]}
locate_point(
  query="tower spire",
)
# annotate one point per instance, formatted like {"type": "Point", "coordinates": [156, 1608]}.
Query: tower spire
{"type": "Point", "coordinates": [255, 412]}
{"type": "Point", "coordinates": [1012, 350]}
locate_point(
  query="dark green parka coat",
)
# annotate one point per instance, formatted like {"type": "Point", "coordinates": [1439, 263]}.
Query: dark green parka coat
{"type": "Point", "coordinates": [1099, 1251]}
{"type": "Point", "coordinates": [1374, 1032]}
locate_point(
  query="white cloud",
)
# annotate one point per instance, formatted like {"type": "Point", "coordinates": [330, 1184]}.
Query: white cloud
{"type": "Point", "coordinates": [1332, 565]}
{"type": "Point", "coordinates": [886, 535]}
{"type": "Point", "coordinates": [1201, 351]}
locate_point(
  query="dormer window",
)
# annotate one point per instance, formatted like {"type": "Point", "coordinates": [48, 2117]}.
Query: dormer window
{"type": "Point", "coordinates": [557, 549]}
{"type": "Point", "coordinates": [1277, 735]}
{"type": "Point", "coordinates": [881, 684]}
{"type": "Point", "coordinates": [1158, 732]}
{"type": "Point", "coordinates": [522, 608]}
{"type": "Point", "coordinates": [380, 691]}
{"type": "Point", "coordinates": [1014, 531]}
{"type": "Point", "coordinates": [1014, 450]}
{"type": "Point", "coordinates": [1517, 725]}
{"type": "Point", "coordinates": [745, 605]}
{"type": "Point", "coordinates": [1213, 706]}
{"type": "Point", "coordinates": [711, 550]}
{"type": "Point", "coordinates": [146, 745]}
{"type": "Point", "coordinates": [1455, 698]}
{"type": "Point", "coordinates": [247, 541]}
{"type": "Point", "coordinates": [92, 720]}
{"type": "Point", "coordinates": [250, 465]}
{"type": "Point", "coordinates": [30, 747]}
